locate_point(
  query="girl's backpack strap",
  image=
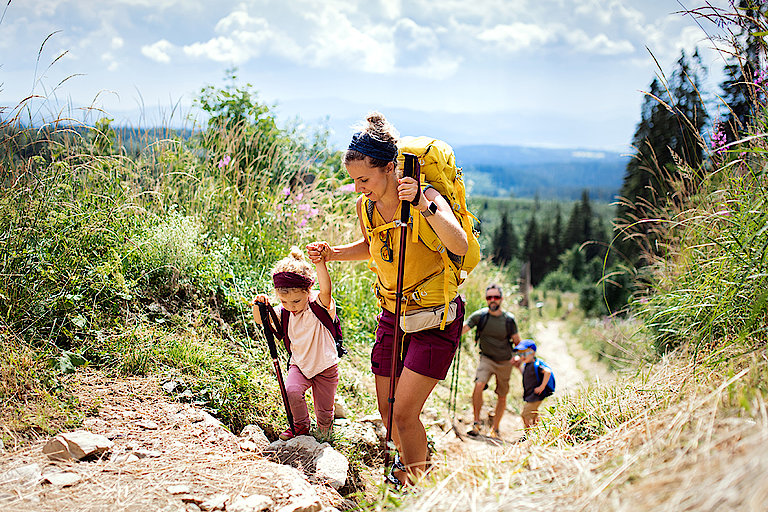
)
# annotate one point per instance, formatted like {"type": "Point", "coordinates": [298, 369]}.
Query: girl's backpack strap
{"type": "Point", "coordinates": [333, 326]}
{"type": "Point", "coordinates": [285, 316]}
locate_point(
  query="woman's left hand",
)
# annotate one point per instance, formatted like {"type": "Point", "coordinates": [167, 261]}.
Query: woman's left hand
{"type": "Point", "coordinates": [407, 189]}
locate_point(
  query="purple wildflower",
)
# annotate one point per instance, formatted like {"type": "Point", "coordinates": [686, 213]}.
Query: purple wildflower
{"type": "Point", "coordinates": [224, 161]}
{"type": "Point", "coordinates": [286, 191]}
{"type": "Point", "coordinates": [347, 188]}
{"type": "Point", "coordinates": [719, 140]}
{"type": "Point", "coordinates": [760, 77]}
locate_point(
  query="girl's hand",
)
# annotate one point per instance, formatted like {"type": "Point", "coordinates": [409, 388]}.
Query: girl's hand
{"type": "Point", "coordinates": [260, 299]}
{"type": "Point", "coordinates": [319, 252]}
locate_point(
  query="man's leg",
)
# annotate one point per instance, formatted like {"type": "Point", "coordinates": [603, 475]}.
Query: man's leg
{"type": "Point", "coordinates": [503, 371]}
{"type": "Point", "coordinates": [477, 399]}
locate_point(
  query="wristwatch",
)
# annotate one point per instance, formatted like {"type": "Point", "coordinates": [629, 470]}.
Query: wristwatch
{"type": "Point", "coordinates": [430, 210]}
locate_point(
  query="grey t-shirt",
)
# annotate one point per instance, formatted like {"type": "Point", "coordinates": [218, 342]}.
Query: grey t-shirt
{"type": "Point", "coordinates": [493, 338]}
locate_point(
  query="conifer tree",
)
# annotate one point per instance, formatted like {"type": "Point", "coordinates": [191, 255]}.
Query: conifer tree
{"type": "Point", "coordinates": [504, 241]}
{"type": "Point", "coordinates": [672, 118]}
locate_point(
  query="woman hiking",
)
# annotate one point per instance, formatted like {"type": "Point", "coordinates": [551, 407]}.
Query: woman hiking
{"type": "Point", "coordinates": [425, 356]}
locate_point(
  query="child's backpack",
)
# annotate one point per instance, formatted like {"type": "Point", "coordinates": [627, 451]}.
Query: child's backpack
{"type": "Point", "coordinates": [322, 314]}
{"type": "Point", "coordinates": [538, 364]}
{"type": "Point", "coordinates": [438, 170]}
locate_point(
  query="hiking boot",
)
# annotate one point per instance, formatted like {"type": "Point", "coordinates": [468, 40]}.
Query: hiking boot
{"type": "Point", "coordinates": [495, 433]}
{"type": "Point", "coordinates": [476, 426]}
{"type": "Point", "coordinates": [301, 430]}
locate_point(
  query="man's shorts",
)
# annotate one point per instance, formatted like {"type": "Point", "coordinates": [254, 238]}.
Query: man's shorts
{"type": "Point", "coordinates": [487, 367]}
{"type": "Point", "coordinates": [427, 353]}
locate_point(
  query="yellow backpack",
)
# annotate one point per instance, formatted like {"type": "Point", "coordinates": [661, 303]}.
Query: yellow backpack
{"type": "Point", "coordinates": [438, 170]}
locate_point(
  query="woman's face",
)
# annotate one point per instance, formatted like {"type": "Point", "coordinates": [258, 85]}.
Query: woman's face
{"type": "Point", "coordinates": [373, 182]}
{"type": "Point", "coordinates": [293, 300]}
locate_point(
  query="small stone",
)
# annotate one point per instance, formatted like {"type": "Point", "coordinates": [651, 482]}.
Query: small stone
{"type": "Point", "coordinates": [331, 467]}
{"type": "Point", "coordinates": [147, 424]}
{"type": "Point", "coordinates": [28, 474]}
{"type": "Point", "coordinates": [217, 502]}
{"type": "Point", "coordinates": [178, 489]}
{"type": "Point", "coordinates": [255, 503]}
{"type": "Point", "coordinates": [339, 407]}
{"type": "Point", "coordinates": [61, 478]}
{"type": "Point", "coordinates": [76, 445]}
{"type": "Point", "coordinates": [123, 458]}
{"type": "Point", "coordinates": [310, 504]}
{"type": "Point", "coordinates": [170, 386]}
{"type": "Point", "coordinates": [144, 454]}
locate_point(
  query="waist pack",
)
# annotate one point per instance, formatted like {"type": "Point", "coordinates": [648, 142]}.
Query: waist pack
{"type": "Point", "coordinates": [427, 318]}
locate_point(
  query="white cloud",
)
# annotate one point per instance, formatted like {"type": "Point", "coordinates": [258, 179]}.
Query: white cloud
{"type": "Point", "coordinates": [517, 36]}
{"type": "Point", "coordinates": [158, 51]}
{"type": "Point", "coordinates": [117, 42]}
{"type": "Point", "coordinates": [220, 49]}
{"type": "Point", "coordinates": [599, 44]}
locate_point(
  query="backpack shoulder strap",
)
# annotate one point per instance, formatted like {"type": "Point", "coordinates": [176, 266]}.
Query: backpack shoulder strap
{"type": "Point", "coordinates": [481, 323]}
{"type": "Point", "coordinates": [510, 324]}
{"type": "Point", "coordinates": [324, 316]}
{"type": "Point", "coordinates": [285, 315]}
{"type": "Point", "coordinates": [333, 326]}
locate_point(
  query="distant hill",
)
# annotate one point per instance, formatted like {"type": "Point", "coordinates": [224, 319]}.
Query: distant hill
{"type": "Point", "coordinates": [501, 171]}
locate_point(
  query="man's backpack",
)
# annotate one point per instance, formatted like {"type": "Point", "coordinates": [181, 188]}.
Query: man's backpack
{"type": "Point", "coordinates": [539, 366]}
{"type": "Point", "coordinates": [508, 318]}
{"type": "Point", "coordinates": [438, 170]}
{"type": "Point", "coordinates": [322, 314]}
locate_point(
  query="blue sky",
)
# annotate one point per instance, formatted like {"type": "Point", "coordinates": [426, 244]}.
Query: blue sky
{"type": "Point", "coordinates": [562, 73]}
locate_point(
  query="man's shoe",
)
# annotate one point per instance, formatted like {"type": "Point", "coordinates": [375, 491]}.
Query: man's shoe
{"type": "Point", "coordinates": [476, 426]}
{"type": "Point", "coordinates": [300, 431]}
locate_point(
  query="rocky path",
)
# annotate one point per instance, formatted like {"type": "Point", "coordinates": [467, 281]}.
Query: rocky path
{"type": "Point", "coordinates": [164, 456]}
{"type": "Point", "coordinates": [573, 367]}
{"type": "Point", "coordinates": [171, 456]}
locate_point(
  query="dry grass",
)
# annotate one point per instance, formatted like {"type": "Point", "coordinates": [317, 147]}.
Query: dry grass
{"type": "Point", "coordinates": [690, 455]}
{"type": "Point", "coordinates": [185, 449]}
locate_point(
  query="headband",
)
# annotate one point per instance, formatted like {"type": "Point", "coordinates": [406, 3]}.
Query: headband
{"type": "Point", "coordinates": [292, 280]}
{"type": "Point", "coordinates": [374, 148]}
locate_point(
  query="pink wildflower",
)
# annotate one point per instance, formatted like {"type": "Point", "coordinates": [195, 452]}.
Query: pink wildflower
{"type": "Point", "coordinates": [224, 161]}
{"type": "Point", "coordinates": [347, 188]}
{"type": "Point", "coordinates": [286, 191]}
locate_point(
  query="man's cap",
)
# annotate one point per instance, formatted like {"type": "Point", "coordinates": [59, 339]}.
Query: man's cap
{"type": "Point", "coordinates": [526, 344]}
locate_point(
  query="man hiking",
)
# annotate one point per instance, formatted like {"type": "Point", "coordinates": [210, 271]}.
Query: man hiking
{"type": "Point", "coordinates": [497, 335]}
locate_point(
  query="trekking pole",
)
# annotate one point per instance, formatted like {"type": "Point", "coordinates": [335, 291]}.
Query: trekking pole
{"type": "Point", "coordinates": [265, 310]}
{"type": "Point", "coordinates": [411, 170]}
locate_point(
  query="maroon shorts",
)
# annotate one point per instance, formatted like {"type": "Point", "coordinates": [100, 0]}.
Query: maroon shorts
{"type": "Point", "coordinates": [427, 353]}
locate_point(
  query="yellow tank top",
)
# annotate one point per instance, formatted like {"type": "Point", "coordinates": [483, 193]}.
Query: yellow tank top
{"type": "Point", "coordinates": [423, 278]}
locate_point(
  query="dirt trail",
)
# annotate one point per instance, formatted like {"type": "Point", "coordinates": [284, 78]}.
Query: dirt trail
{"type": "Point", "coordinates": [573, 367]}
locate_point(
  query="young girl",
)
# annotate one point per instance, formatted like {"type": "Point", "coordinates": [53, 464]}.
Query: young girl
{"type": "Point", "coordinates": [314, 358]}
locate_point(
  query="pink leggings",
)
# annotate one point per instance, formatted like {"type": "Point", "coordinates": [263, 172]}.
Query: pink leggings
{"type": "Point", "coordinates": [323, 391]}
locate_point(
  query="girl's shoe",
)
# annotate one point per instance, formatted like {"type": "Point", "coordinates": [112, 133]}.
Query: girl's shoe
{"type": "Point", "coordinates": [301, 430]}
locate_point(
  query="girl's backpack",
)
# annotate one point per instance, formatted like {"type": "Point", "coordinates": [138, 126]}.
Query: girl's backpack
{"type": "Point", "coordinates": [322, 314]}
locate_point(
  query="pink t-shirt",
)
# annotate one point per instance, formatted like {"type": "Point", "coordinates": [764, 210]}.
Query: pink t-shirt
{"type": "Point", "coordinates": [313, 348]}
